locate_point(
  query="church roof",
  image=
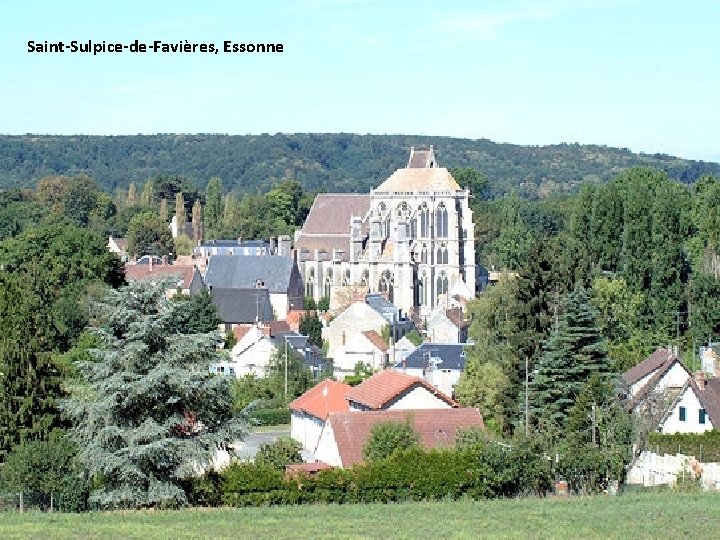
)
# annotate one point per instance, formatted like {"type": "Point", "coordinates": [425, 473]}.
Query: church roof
{"type": "Point", "coordinates": [327, 226]}
{"type": "Point", "coordinates": [419, 179]}
{"type": "Point", "coordinates": [421, 158]}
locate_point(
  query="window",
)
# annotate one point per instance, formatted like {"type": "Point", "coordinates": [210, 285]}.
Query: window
{"type": "Point", "coordinates": [701, 416]}
{"type": "Point", "coordinates": [442, 284]}
{"type": "Point", "coordinates": [423, 255]}
{"type": "Point", "coordinates": [441, 221]}
{"type": "Point", "coordinates": [683, 414]}
{"type": "Point", "coordinates": [386, 285]}
{"type": "Point", "coordinates": [424, 221]}
{"type": "Point", "coordinates": [422, 292]}
{"type": "Point", "coordinates": [441, 255]}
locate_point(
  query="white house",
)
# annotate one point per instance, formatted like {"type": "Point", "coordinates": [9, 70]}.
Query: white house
{"type": "Point", "coordinates": [402, 349]}
{"type": "Point", "coordinates": [696, 408]}
{"type": "Point", "coordinates": [346, 434]}
{"type": "Point", "coordinates": [250, 355]}
{"type": "Point", "coordinates": [660, 371]}
{"type": "Point", "coordinates": [358, 317]}
{"type": "Point", "coordinates": [310, 411]}
{"type": "Point", "coordinates": [367, 347]}
{"type": "Point", "coordinates": [393, 390]}
{"type": "Point", "coordinates": [439, 364]}
{"type": "Point", "coordinates": [446, 326]}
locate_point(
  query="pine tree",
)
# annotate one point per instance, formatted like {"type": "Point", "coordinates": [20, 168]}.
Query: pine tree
{"type": "Point", "coordinates": [574, 351]}
{"type": "Point", "coordinates": [157, 413]}
{"type": "Point", "coordinates": [180, 214]}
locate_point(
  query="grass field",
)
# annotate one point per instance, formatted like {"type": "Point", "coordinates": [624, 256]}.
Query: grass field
{"type": "Point", "coordinates": [656, 515]}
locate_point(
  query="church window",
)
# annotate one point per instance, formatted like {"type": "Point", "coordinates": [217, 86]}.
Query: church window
{"type": "Point", "coordinates": [310, 284]}
{"type": "Point", "coordinates": [386, 285]}
{"type": "Point", "coordinates": [424, 221]}
{"type": "Point", "coordinates": [424, 254]}
{"type": "Point", "coordinates": [442, 255]}
{"type": "Point", "coordinates": [442, 284]}
{"type": "Point", "coordinates": [441, 221]}
{"type": "Point", "coordinates": [328, 283]}
{"type": "Point", "coordinates": [422, 292]}
{"type": "Point", "coordinates": [346, 278]}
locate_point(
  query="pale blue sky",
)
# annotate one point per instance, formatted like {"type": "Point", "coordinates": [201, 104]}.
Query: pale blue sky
{"type": "Point", "coordinates": [636, 74]}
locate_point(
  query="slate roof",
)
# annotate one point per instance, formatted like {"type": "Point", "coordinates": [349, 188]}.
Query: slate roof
{"type": "Point", "coordinates": [436, 428]}
{"type": "Point", "coordinates": [451, 354]}
{"type": "Point", "coordinates": [315, 403]}
{"type": "Point", "coordinates": [383, 306]}
{"type": "Point", "coordinates": [235, 243]}
{"type": "Point", "coordinates": [647, 366]}
{"type": "Point", "coordinates": [421, 179]}
{"type": "Point", "coordinates": [237, 306]}
{"type": "Point", "coordinates": [382, 388]}
{"type": "Point", "coordinates": [709, 397]}
{"type": "Point", "coordinates": [327, 226]}
{"type": "Point", "coordinates": [244, 272]}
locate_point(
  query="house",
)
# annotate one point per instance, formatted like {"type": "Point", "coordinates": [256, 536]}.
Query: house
{"type": "Point", "coordinates": [367, 347]}
{"type": "Point", "coordinates": [410, 239]}
{"type": "Point", "coordinates": [391, 390]}
{"type": "Point", "coordinates": [346, 434]}
{"type": "Point", "coordinates": [310, 411]}
{"type": "Point", "coordinates": [446, 326]}
{"type": "Point", "coordinates": [439, 364]}
{"type": "Point", "coordinates": [238, 307]}
{"type": "Point", "coordinates": [278, 274]}
{"type": "Point", "coordinates": [182, 279]}
{"type": "Point", "coordinates": [710, 359]}
{"type": "Point", "coordinates": [118, 246]}
{"type": "Point", "coordinates": [660, 371]}
{"type": "Point", "coordinates": [401, 349]}
{"type": "Point", "coordinates": [696, 407]}
{"type": "Point", "coordinates": [356, 318]}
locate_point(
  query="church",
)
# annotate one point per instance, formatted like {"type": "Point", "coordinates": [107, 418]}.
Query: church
{"type": "Point", "coordinates": [410, 239]}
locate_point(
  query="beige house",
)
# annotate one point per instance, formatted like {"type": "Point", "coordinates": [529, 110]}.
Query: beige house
{"type": "Point", "coordinates": [410, 239]}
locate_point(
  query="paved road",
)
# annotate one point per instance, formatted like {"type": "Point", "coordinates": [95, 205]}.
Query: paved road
{"type": "Point", "coordinates": [250, 446]}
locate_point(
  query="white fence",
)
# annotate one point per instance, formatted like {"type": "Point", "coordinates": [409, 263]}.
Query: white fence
{"type": "Point", "coordinates": [653, 469]}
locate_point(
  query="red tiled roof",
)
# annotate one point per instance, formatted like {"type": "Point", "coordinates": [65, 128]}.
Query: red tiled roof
{"type": "Point", "coordinates": [709, 396]}
{"type": "Point", "coordinates": [315, 403]}
{"type": "Point", "coordinates": [278, 327]}
{"type": "Point", "coordinates": [297, 469]}
{"type": "Point", "coordinates": [647, 366]}
{"type": "Point", "coordinates": [456, 317]}
{"type": "Point", "coordinates": [157, 272]}
{"type": "Point", "coordinates": [375, 338]}
{"type": "Point", "coordinates": [294, 317]}
{"type": "Point", "coordinates": [382, 388]}
{"type": "Point", "coordinates": [436, 428]}
{"type": "Point", "coordinates": [240, 331]}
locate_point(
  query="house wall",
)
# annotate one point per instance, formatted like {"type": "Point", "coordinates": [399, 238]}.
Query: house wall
{"type": "Point", "coordinates": [279, 303]}
{"type": "Point", "coordinates": [442, 330]}
{"type": "Point", "coordinates": [254, 360]}
{"type": "Point", "coordinates": [676, 377]}
{"type": "Point", "coordinates": [357, 318]}
{"type": "Point", "coordinates": [306, 429]}
{"type": "Point", "coordinates": [691, 424]}
{"type": "Point", "coordinates": [417, 397]}
{"type": "Point", "coordinates": [327, 449]}
{"type": "Point", "coordinates": [444, 380]}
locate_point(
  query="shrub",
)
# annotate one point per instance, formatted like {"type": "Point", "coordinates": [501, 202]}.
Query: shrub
{"type": "Point", "coordinates": [279, 453]}
{"type": "Point", "coordinates": [703, 446]}
{"type": "Point", "coordinates": [387, 438]}
{"type": "Point", "coordinates": [270, 417]}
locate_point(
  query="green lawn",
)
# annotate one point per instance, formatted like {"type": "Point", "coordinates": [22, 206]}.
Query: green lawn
{"type": "Point", "coordinates": [656, 515]}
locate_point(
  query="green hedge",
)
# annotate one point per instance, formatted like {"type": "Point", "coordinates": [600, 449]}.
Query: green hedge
{"type": "Point", "coordinates": [705, 447]}
{"type": "Point", "coordinates": [415, 475]}
{"type": "Point", "coordinates": [270, 417]}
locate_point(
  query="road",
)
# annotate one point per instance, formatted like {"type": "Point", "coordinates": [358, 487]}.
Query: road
{"type": "Point", "coordinates": [250, 446]}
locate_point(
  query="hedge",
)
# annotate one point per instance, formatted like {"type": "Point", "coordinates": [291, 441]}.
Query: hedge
{"type": "Point", "coordinates": [705, 447]}
{"type": "Point", "coordinates": [414, 475]}
{"type": "Point", "coordinates": [270, 417]}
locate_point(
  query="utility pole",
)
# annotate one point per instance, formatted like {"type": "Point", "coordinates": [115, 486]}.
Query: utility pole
{"type": "Point", "coordinates": [527, 404]}
{"type": "Point", "coordinates": [592, 414]}
{"type": "Point", "coordinates": [286, 367]}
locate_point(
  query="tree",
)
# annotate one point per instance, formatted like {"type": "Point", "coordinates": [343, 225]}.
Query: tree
{"type": "Point", "coordinates": [147, 235]}
{"type": "Point", "coordinates": [164, 217]}
{"type": "Point", "coordinates": [198, 314]}
{"type": "Point", "coordinates": [131, 195]}
{"type": "Point", "coordinates": [214, 207]}
{"type": "Point", "coordinates": [311, 326]}
{"type": "Point", "coordinates": [156, 412]}
{"type": "Point", "coordinates": [388, 438]}
{"type": "Point", "coordinates": [30, 381]}
{"type": "Point", "coordinates": [197, 223]}
{"type": "Point", "coordinates": [180, 213]}
{"type": "Point", "coordinates": [147, 198]}
{"type": "Point", "coordinates": [279, 453]}
{"type": "Point", "coordinates": [574, 351]}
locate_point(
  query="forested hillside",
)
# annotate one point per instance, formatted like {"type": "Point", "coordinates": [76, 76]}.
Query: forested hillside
{"type": "Point", "coordinates": [320, 162]}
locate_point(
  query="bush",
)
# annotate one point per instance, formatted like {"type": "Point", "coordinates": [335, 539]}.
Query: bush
{"type": "Point", "coordinates": [389, 437]}
{"type": "Point", "coordinates": [270, 417]}
{"type": "Point", "coordinates": [704, 446]}
{"type": "Point", "coordinates": [279, 453]}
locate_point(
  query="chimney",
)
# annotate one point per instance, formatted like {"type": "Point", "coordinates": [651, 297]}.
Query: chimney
{"type": "Point", "coordinates": [700, 379]}
{"type": "Point", "coordinates": [150, 263]}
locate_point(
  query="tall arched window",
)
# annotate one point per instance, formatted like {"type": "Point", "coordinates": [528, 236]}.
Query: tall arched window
{"type": "Point", "coordinates": [365, 278]}
{"type": "Point", "coordinates": [441, 255]}
{"type": "Point", "coordinates": [442, 284]}
{"type": "Point", "coordinates": [386, 284]}
{"type": "Point", "coordinates": [422, 292]}
{"type": "Point", "coordinates": [423, 254]}
{"type": "Point", "coordinates": [441, 221]}
{"type": "Point", "coordinates": [328, 283]}
{"type": "Point", "coordinates": [424, 221]}
{"type": "Point", "coordinates": [413, 227]}
{"type": "Point", "coordinates": [310, 284]}
{"type": "Point", "coordinates": [346, 278]}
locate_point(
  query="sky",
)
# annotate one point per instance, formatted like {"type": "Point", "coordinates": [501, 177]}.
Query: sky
{"type": "Point", "coordinates": [636, 74]}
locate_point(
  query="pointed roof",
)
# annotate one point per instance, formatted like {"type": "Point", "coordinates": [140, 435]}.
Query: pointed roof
{"type": "Point", "coordinates": [375, 338]}
{"type": "Point", "coordinates": [647, 366]}
{"type": "Point", "coordinates": [382, 388]}
{"type": "Point", "coordinates": [436, 428]}
{"type": "Point", "coordinates": [322, 399]}
{"type": "Point", "coordinates": [416, 179]}
{"type": "Point", "coordinates": [422, 158]}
